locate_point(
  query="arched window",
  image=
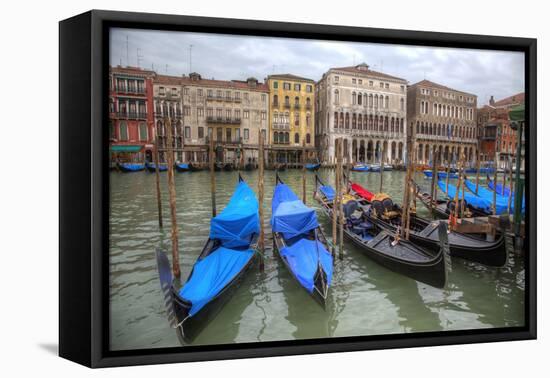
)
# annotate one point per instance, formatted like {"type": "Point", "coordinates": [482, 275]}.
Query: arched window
{"type": "Point", "coordinates": [287, 137]}
{"type": "Point", "coordinates": [275, 137]}
{"type": "Point", "coordinates": [359, 99]}
{"type": "Point", "coordinates": [275, 100]}
{"type": "Point", "coordinates": [287, 101]}
{"type": "Point", "coordinates": [347, 121]}
{"type": "Point", "coordinates": [308, 102]}
{"type": "Point", "coordinates": [296, 138]}
{"type": "Point", "coordinates": [296, 101]}
{"type": "Point", "coordinates": [308, 138]}
{"type": "Point", "coordinates": [354, 121]}
{"type": "Point", "coordinates": [354, 98]}
{"type": "Point", "coordinates": [376, 101]}
{"type": "Point", "coordinates": [336, 120]}
{"type": "Point", "coordinates": [370, 101]}
{"type": "Point", "coordinates": [123, 131]}
{"type": "Point", "coordinates": [387, 102]}
{"type": "Point", "coordinates": [275, 117]}
{"type": "Point", "coordinates": [336, 96]}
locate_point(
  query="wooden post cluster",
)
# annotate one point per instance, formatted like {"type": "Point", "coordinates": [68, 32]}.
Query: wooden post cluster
{"type": "Point", "coordinates": [172, 196]}
{"type": "Point", "coordinates": [157, 178]}
{"type": "Point", "coordinates": [407, 186]}
{"type": "Point", "coordinates": [478, 164]}
{"type": "Point", "coordinates": [435, 176]}
{"type": "Point", "coordinates": [212, 159]}
{"type": "Point", "coordinates": [261, 198]}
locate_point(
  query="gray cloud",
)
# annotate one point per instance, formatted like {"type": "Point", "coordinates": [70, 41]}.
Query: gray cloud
{"type": "Point", "coordinates": [226, 57]}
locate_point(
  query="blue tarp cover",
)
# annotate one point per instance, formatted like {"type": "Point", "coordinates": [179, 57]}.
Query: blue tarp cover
{"type": "Point", "coordinates": [328, 192]}
{"type": "Point", "coordinates": [183, 165]}
{"type": "Point", "coordinates": [312, 165]}
{"type": "Point", "coordinates": [212, 274]}
{"type": "Point", "coordinates": [360, 168]}
{"type": "Point", "coordinates": [239, 220]}
{"type": "Point", "coordinates": [471, 199]}
{"type": "Point", "coordinates": [132, 166]}
{"type": "Point", "coordinates": [289, 215]}
{"type": "Point", "coordinates": [429, 174]}
{"type": "Point", "coordinates": [303, 258]}
{"type": "Point", "coordinates": [502, 201]}
{"type": "Point", "coordinates": [491, 186]}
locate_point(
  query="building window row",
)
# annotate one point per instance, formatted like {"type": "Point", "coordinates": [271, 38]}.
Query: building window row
{"type": "Point", "coordinates": [368, 122]}
{"type": "Point", "coordinates": [296, 103]}
{"type": "Point", "coordinates": [446, 130]}
{"type": "Point", "coordinates": [128, 85]}
{"type": "Point", "coordinates": [446, 110]}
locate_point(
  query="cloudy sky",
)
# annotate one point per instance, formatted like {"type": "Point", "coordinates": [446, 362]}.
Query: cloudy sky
{"type": "Point", "coordinates": [223, 57]}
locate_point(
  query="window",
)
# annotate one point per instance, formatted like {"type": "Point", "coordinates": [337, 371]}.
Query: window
{"type": "Point", "coordinates": [354, 98]}
{"type": "Point", "coordinates": [228, 114]}
{"type": "Point", "coordinates": [228, 95]}
{"type": "Point", "coordinates": [142, 131]}
{"type": "Point", "coordinates": [263, 134]}
{"type": "Point", "coordinates": [263, 97]}
{"type": "Point", "coordinates": [387, 86]}
{"type": "Point", "coordinates": [201, 132]}
{"type": "Point", "coordinates": [161, 91]}
{"type": "Point", "coordinates": [219, 113]}
{"type": "Point", "coordinates": [264, 115]}
{"type": "Point", "coordinates": [402, 88]}
{"type": "Point", "coordinates": [296, 138]}
{"type": "Point", "coordinates": [296, 119]}
{"type": "Point", "coordinates": [199, 92]}
{"type": "Point", "coordinates": [354, 81]}
{"type": "Point", "coordinates": [112, 131]}
{"type": "Point", "coordinates": [228, 134]}
{"type": "Point", "coordinates": [381, 85]}
{"type": "Point", "coordinates": [246, 96]}
{"type": "Point", "coordinates": [336, 79]}
{"type": "Point", "coordinates": [185, 91]}
{"type": "Point", "coordinates": [402, 104]}
{"type": "Point", "coordinates": [275, 137]}
{"type": "Point", "coordinates": [370, 101]}
{"type": "Point", "coordinates": [308, 138]}
{"type": "Point", "coordinates": [200, 112]}
{"type": "Point", "coordinates": [387, 102]}
{"type": "Point", "coordinates": [210, 93]}
{"type": "Point", "coordinates": [360, 81]}
{"type": "Point", "coordinates": [123, 131]}
{"type": "Point", "coordinates": [174, 91]}
{"type": "Point", "coordinates": [245, 114]}
{"type": "Point", "coordinates": [237, 95]}
{"type": "Point", "coordinates": [246, 134]}
{"type": "Point", "coordinates": [309, 88]}
{"type": "Point", "coordinates": [237, 114]}
{"type": "Point", "coordinates": [275, 86]}
{"type": "Point", "coordinates": [210, 112]}
{"type": "Point", "coordinates": [336, 97]}
{"type": "Point", "coordinates": [219, 94]}
{"type": "Point", "coordinates": [286, 86]}
{"type": "Point", "coordinates": [371, 83]}
{"type": "Point", "coordinates": [187, 132]}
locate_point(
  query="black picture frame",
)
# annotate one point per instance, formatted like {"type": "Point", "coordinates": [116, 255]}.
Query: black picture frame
{"type": "Point", "coordinates": [83, 181]}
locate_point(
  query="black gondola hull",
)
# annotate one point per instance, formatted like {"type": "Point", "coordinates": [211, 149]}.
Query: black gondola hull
{"type": "Point", "coordinates": [190, 327]}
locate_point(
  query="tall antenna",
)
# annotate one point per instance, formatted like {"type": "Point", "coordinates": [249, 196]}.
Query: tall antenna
{"type": "Point", "coordinates": [166, 69]}
{"type": "Point", "coordinates": [190, 58]}
{"type": "Point", "coordinates": [138, 57]}
{"type": "Point", "coordinates": [127, 52]}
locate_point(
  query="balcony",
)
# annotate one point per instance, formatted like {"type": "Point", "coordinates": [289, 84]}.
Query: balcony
{"type": "Point", "coordinates": [287, 105]}
{"type": "Point", "coordinates": [222, 120]}
{"type": "Point", "coordinates": [237, 99]}
{"type": "Point", "coordinates": [308, 106]}
{"type": "Point", "coordinates": [281, 126]}
{"type": "Point", "coordinates": [297, 106]}
{"type": "Point", "coordinates": [275, 104]}
{"type": "Point", "coordinates": [122, 89]}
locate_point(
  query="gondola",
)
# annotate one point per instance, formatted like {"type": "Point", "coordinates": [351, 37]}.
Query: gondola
{"type": "Point", "coordinates": [249, 167]}
{"type": "Point", "coordinates": [313, 166]}
{"type": "Point", "coordinates": [193, 167]}
{"type": "Point", "coordinates": [479, 205]}
{"type": "Point", "coordinates": [423, 232]}
{"type": "Point", "coordinates": [182, 167]}
{"type": "Point", "coordinates": [131, 167]}
{"type": "Point", "coordinates": [360, 168]}
{"type": "Point", "coordinates": [499, 189]}
{"type": "Point", "coordinates": [220, 268]}
{"type": "Point", "coordinates": [300, 242]}
{"type": "Point", "coordinates": [151, 167]}
{"type": "Point", "coordinates": [218, 166]}
{"type": "Point", "coordinates": [374, 167]}
{"type": "Point", "coordinates": [228, 167]}
{"type": "Point", "coordinates": [443, 207]}
{"type": "Point", "coordinates": [382, 246]}
{"type": "Point", "coordinates": [488, 195]}
{"type": "Point", "coordinates": [442, 175]}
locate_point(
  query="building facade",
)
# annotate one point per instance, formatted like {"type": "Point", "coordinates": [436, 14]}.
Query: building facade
{"type": "Point", "coordinates": [445, 121]}
{"type": "Point", "coordinates": [233, 113]}
{"type": "Point", "coordinates": [291, 115]}
{"type": "Point", "coordinates": [497, 138]}
{"type": "Point", "coordinates": [365, 107]}
{"type": "Point", "coordinates": [131, 111]}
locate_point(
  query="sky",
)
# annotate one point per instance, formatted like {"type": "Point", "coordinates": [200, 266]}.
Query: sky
{"type": "Point", "coordinates": [227, 57]}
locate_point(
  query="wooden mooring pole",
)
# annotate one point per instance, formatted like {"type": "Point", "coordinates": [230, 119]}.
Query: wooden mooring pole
{"type": "Point", "coordinates": [434, 178]}
{"type": "Point", "coordinates": [304, 171]}
{"type": "Point", "coordinates": [172, 193]}
{"type": "Point", "coordinates": [261, 198]}
{"type": "Point", "coordinates": [335, 204]}
{"type": "Point", "coordinates": [495, 179]}
{"type": "Point", "coordinates": [382, 167]}
{"type": "Point", "coordinates": [212, 159]}
{"type": "Point", "coordinates": [340, 201]}
{"type": "Point", "coordinates": [157, 178]}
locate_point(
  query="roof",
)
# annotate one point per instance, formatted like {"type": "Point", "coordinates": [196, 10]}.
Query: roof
{"type": "Point", "coordinates": [518, 98]}
{"type": "Point", "coordinates": [289, 77]}
{"type": "Point", "coordinates": [230, 84]}
{"type": "Point", "coordinates": [363, 69]}
{"type": "Point", "coordinates": [431, 84]}
{"type": "Point", "coordinates": [131, 71]}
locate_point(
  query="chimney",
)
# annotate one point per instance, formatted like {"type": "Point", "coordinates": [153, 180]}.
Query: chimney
{"type": "Point", "coordinates": [492, 101]}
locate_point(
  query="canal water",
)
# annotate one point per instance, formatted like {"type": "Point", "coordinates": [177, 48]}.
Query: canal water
{"type": "Point", "coordinates": [366, 299]}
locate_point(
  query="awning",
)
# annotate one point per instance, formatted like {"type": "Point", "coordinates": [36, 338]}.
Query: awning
{"type": "Point", "coordinates": [517, 113]}
{"type": "Point", "coordinates": [126, 148]}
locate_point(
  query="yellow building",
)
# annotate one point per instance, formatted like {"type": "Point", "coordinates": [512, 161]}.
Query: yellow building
{"type": "Point", "coordinates": [291, 112]}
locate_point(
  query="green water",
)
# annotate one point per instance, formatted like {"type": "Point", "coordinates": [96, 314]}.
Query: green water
{"type": "Point", "coordinates": [365, 299]}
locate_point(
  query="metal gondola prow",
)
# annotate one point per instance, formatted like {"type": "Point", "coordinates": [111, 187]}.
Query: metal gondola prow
{"type": "Point", "coordinates": [445, 249]}
{"type": "Point", "coordinates": [165, 275]}
{"type": "Point", "coordinates": [240, 177]}
{"type": "Point", "coordinates": [278, 179]}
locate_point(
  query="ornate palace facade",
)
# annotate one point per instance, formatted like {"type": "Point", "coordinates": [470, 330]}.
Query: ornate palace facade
{"type": "Point", "coordinates": [445, 120]}
{"type": "Point", "coordinates": [233, 113]}
{"type": "Point", "coordinates": [365, 107]}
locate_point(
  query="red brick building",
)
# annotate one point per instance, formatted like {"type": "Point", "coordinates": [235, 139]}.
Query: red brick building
{"type": "Point", "coordinates": [496, 135]}
{"type": "Point", "coordinates": [131, 117]}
